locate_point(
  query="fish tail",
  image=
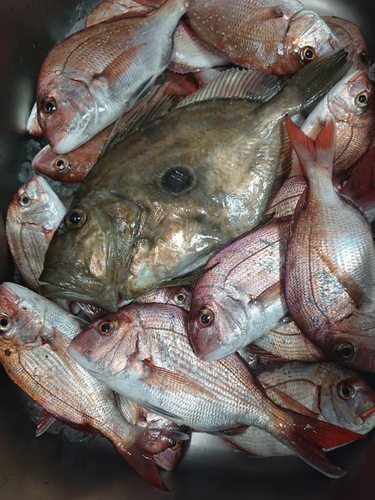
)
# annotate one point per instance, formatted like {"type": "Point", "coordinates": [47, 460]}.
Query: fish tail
{"type": "Point", "coordinates": [308, 437]}
{"type": "Point", "coordinates": [146, 443]}
{"type": "Point", "coordinates": [318, 77]}
{"type": "Point", "coordinates": [318, 153]}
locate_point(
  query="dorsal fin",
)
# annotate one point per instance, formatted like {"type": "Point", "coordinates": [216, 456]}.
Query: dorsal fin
{"type": "Point", "coordinates": [238, 83]}
{"type": "Point", "coordinates": [141, 118]}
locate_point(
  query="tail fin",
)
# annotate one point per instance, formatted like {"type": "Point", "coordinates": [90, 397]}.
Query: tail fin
{"type": "Point", "coordinates": [307, 437]}
{"type": "Point", "coordinates": [146, 444]}
{"type": "Point", "coordinates": [320, 152]}
{"type": "Point", "coordinates": [317, 78]}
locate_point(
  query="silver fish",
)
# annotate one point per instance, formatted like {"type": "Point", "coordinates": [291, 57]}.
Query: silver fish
{"type": "Point", "coordinates": [334, 394]}
{"type": "Point", "coordinates": [143, 353]}
{"type": "Point", "coordinates": [34, 336]}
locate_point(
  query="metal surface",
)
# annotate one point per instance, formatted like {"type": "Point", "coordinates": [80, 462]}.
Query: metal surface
{"type": "Point", "coordinates": [49, 467]}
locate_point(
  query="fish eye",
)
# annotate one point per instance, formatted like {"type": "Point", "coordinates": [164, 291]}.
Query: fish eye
{"type": "Point", "coordinates": [49, 105]}
{"type": "Point", "coordinates": [308, 54]}
{"type": "Point", "coordinates": [206, 318]}
{"type": "Point", "coordinates": [175, 446]}
{"type": "Point", "coordinates": [345, 391]}
{"type": "Point", "coordinates": [180, 298]}
{"type": "Point", "coordinates": [24, 199]}
{"type": "Point", "coordinates": [62, 164]}
{"type": "Point", "coordinates": [5, 324]}
{"type": "Point", "coordinates": [362, 99]}
{"type": "Point", "coordinates": [106, 327]}
{"type": "Point", "coordinates": [75, 218]}
{"type": "Point", "coordinates": [177, 180]}
{"type": "Point", "coordinates": [363, 58]}
{"type": "Point", "coordinates": [345, 351]}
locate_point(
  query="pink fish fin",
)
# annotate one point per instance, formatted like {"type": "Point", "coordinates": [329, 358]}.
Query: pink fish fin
{"type": "Point", "coordinates": [181, 68]}
{"type": "Point", "coordinates": [355, 292]}
{"type": "Point", "coordinates": [313, 154]}
{"type": "Point", "coordinates": [269, 296]}
{"type": "Point", "coordinates": [360, 186]}
{"type": "Point", "coordinates": [152, 3]}
{"type": "Point", "coordinates": [286, 401]}
{"type": "Point", "coordinates": [45, 421]}
{"type": "Point", "coordinates": [308, 437]}
{"type": "Point", "coordinates": [143, 464]}
{"type": "Point", "coordinates": [177, 86]}
{"type": "Point", "coordinates": [111, 74]}
{"type": "Point", "coordinates": [266, 358]}
{"type": "Point", "coordinates": [237, 83]}
{"type": "Point", "coordinates": [173, 381]}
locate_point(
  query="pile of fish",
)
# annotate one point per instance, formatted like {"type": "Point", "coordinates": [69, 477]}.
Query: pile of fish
{"type": "Point", "coordinates": [215, 270]}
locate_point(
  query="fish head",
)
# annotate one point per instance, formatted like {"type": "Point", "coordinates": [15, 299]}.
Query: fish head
{"type": "Point", "coordinates": [352, 350]}
{"type": "Point", "coordinates": [69, 167]}
{"type": "Point", "coordinates": [351, 39]}
{"type": "Point", "coordinates": [21, 317]}
{"type": "Point", "coordinates": [352, 98]}
{"type": "Point", "coordinates": [86, 254]}
{"type": "Point", "coordinates": [215, 324]}
{"type": "Point", "coordinates": [49, 163]}
{"type": "Point", "coordinates": [308, 37]}
{"type": "Point", "coordinates": [174, 295]}
{"type": "Point", "coordinates": [347, 400]}
{"type": "Point", "coordinates": [67, 111]}
{"type": "Point", "coordinates": [94, 347]}
{"type": "Point", "coordinates": [33, 201]}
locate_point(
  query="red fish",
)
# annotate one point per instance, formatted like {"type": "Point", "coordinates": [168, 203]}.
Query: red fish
{"type": "Point", "coordinates": [274, 37]}
{"type": "Point", "coordinates": [92, 77]}
{"type": "Point", "coordinates": [330, 260]}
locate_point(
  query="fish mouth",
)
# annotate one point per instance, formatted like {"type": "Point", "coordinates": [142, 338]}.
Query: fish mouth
{"type": "Point", "coordinates": [53, 285]}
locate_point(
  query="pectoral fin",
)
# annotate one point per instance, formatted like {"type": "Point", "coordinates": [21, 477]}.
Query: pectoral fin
{"type": "Point", "coordinates": [346, 281]}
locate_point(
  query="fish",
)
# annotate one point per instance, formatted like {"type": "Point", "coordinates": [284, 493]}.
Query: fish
{"type": "Point", "coordinates": [34, 337]}
{"type": "Point", "coordinates": [152, 219]}
{"type": "Point", "coordinates": [75, 165]}
{"type": "Point", "coordinates": [330, 274]}
{"type": "Point", "coordinates": [351, 103]}
{"type": "Point", "coordinates": [241, 296]}
{"type": "Point", "coordinates": [90, 79]}
{"type": "Point", "coordinates": [334, 394]}
{"type": "Point", "coordinates": [34, 213]}
{"type": "Point", "coordinates": [351, 39]}
{"type": "Point", "coordinates": [152, 363]}
{"type": "Point", "coordinates": [279, 38]}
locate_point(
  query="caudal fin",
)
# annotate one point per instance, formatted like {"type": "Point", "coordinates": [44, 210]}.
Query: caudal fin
{"type": "Point", "coordinates": [308, 437]}
{"type": "Point", "coordinates": [147, 444]}
{"type": "Point", "coordinates": [313, 154]}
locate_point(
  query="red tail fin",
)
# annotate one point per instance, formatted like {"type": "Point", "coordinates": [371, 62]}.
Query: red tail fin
{"type": "Point", "coordinates": [309, 436]}
{"type": "Point", "coordinates": [319, 152]}
{"type": "Point", "coordinates": [148, 443]}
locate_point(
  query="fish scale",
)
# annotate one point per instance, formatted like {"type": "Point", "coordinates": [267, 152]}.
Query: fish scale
{"type": "Point", "coordinates": [158, 369]}
{"type": "Point", "coordinates": [92, 77]}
